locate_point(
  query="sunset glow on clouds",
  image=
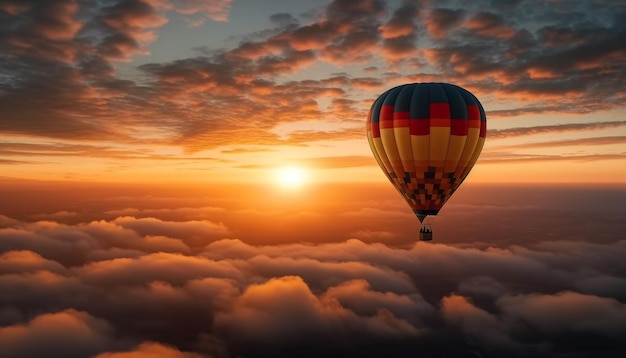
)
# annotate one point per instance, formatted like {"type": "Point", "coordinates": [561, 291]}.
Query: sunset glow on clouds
{"type": "Point", "coordinates": [513, 270]}
{"type": "Point", "coordinates": [114, 103]}
{"type": "Point", "coordinates": [187, 179]}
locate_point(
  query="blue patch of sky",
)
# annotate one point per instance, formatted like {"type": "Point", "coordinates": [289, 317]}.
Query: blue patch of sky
{"type": "Point", "coordinates": [177, 39]}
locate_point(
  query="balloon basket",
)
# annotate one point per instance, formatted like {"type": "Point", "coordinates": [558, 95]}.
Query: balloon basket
{"type": "Point", "coordinates": [426, 233]}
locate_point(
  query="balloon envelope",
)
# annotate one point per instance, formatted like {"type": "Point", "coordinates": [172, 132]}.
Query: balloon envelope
{"type": "Point", "coordinates": [426, 138]}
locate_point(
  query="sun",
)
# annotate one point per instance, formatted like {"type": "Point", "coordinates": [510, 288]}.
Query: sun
{"type": "Point", "coordinates": [291, 177]}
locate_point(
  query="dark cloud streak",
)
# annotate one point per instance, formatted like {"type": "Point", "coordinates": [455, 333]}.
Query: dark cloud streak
{"type": "Point", "coordinates": [571, 127]}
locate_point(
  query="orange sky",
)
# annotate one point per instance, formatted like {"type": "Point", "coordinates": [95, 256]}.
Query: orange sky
{"type": "Point", "coordinates": [292, 87]}
{"type": "Point", "coordinates": [503, 160]}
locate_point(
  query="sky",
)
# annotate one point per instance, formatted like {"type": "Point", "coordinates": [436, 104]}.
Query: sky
{"type": "Point", "coordinates": [182, 90]}
{"type": "Point", "coordinates": [192, 178]}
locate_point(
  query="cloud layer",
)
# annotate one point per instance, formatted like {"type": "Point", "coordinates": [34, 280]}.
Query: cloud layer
{"type": "Point", "coordinates": [133, 286]}
{"type": "Point", "coordinates": [519, 64]}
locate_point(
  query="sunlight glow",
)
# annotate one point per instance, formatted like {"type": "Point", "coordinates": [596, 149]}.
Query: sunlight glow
{"type": "Point", "coordinates": [291, 177]}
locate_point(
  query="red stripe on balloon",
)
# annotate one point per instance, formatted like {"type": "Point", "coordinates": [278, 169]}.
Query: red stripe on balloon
{"type": "Point", "coordinates": [419, 126]}
{"type": "Point", "coordinates": [459, 127]}
{"type": "Point", "coordinates": [440, 110]}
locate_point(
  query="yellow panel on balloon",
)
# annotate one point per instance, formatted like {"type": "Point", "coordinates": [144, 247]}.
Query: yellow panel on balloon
{"type": "Point", "coordinates": [391, 149]}
{"type": "Point", "coordinates": [405, 149]}
{"type": "Point", "coordinates": [455, 149]}
{"type": "Point", "coordinates": [439, 137]}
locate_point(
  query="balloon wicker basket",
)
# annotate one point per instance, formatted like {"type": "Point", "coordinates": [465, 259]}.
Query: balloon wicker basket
{"type": "Point", "coordinates": [426, 233]}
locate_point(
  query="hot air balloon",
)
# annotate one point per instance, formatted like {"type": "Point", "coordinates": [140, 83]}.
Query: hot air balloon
{"type": "Point", "coordinates": [426, 138]}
